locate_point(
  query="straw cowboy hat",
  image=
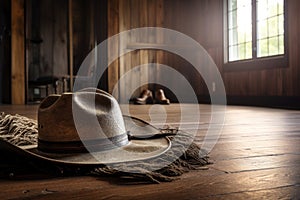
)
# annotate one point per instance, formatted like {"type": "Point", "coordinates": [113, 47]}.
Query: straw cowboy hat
{"type": "Point", "coordinates": [65, 138]}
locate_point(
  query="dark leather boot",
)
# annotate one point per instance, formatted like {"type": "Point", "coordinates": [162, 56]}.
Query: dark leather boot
{"type": "Point", "coordinates": [146, 97]}
{"type": "Point", "coordinates": [160, 97]}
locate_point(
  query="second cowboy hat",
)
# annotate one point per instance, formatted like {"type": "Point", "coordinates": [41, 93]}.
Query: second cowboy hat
{"type": "Point", "coordinates": [65, 138]}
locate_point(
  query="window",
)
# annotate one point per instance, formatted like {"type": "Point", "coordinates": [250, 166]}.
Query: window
{"type": "Point", "coordinates": [255, 34]}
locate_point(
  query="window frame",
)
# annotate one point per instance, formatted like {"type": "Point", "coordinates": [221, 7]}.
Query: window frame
{"type": "Point", "coordinates": [254, 63]}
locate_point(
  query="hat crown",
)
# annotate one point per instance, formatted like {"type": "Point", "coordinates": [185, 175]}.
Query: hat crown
{"type": "Point", "coordinates": [89, 115]}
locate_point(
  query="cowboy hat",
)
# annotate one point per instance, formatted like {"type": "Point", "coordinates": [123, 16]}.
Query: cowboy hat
{"type": "Point", "coordinates": [87, 128]}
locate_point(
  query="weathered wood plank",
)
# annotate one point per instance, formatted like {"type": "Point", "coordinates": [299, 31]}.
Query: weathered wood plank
{"type": "Point", "coordinates": [256, 157]}
{"type": "Point", "coordinates": [113, 50]}
{"type": "Point", "coordinates": [18, 52]}
{"type": "Point", "coordinates": [60, 47]}
{"type": "Point", "coordinates": [209, 183]}
{"type": "Point", "coordinates": [143, 22]}
{"type": "Point", "coordinates": [125, 60]}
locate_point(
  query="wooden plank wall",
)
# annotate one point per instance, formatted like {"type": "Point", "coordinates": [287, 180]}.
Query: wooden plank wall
{"type": "Point", "coordinates": [89, 22]}
{"type": "Point", "coordinates": [49, 50]}
{"type": "Point", "coordinates": [47, 22]}
{"type": "Point", "coordinates": [44, 34]}
{"type": "Point", "coordinates": [203, 21]}
{"type": "Point", "coordinates": [178, 15]}
{"type": "Point", "coordinates": [113, 28]}
{"type": "Point", "coordinates": [200, 19]}
{"type": "Point", "coordinates": [186, 17]}
{"type": "Point", "coordinates": [18, 52]}
{"type": "Point", "coordinates": [125, 15]}
{"type": "Point", "coordinates": [83, 31]}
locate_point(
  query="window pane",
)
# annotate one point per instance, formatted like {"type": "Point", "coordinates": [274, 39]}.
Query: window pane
{"type": "Point", "coordinates": [280, 7]}
{"type": "Point", "coordinates": [244, 15]}
{"type": "Point", "coordinates": [233, 37]}
{"type": "Point", "coordinates": [248, 50]}
{"type": "Point", "coordinates": [240, 28]}
{"type": "Point", "coordinates": [273, 26]}
{"type": "Point", "coordinates": [241, 37]}
{"type": "Point", "coordinates": [233, 53]}
{"type": "Point", "coordinates": [280, 25]}
{"type": "Point", "coordinates": [281, 45]}
{"type": "Point", "coordinates": [242, 51]}
{"type": "Point", "coordinates": [273, 46]}
{"type": "Point", "coordinates": [262, 7]}
{"type": "Point", "coordinates": [270, 27]}
{"type": "Point", "coordinates": [232, 23]}
{"type": "Point", "coordinates": [248, 34]}
{"type": "Point", "coordinates": [262, 29]}
{"type": "Point", "coordinates": [262, 48]}
{"type": "Point", "coordinates": [272, 8]}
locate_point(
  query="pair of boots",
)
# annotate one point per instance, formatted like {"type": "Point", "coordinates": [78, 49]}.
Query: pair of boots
{"type": "Point", "coordinates": [146, 97]}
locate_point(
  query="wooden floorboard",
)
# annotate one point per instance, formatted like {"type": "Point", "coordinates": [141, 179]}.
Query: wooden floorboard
{"type": "Point", "coordinates": [257, 157]}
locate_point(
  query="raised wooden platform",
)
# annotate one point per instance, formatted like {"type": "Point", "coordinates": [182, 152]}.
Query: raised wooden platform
{"type": "Point", "coordinates": [256, 157]}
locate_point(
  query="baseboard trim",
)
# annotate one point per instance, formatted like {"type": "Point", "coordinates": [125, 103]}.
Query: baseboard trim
{"type": "Point", "coordinates": [286, 102]}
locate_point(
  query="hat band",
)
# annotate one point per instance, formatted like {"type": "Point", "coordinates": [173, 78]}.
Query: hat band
{"type": "Point", "coordinates": [85, 146]}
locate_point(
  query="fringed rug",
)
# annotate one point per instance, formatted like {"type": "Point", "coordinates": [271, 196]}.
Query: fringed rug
{"type": "Point", "coordinates": [20, 130]}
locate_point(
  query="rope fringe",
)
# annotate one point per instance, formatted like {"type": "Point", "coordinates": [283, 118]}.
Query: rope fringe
{"type": "Point", "coordinates": [18, 130]}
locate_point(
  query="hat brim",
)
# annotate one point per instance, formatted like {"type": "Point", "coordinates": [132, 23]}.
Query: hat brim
{"type": "Point", "coordinates": [135, 150]}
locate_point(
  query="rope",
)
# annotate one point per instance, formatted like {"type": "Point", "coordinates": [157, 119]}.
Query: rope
{"type": "Point", "coordinates": [18, 130]}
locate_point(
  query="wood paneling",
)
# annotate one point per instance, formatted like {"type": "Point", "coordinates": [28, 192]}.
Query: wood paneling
{"type": "Point", "coordinates": [71, 43]}
{"type": "Point", "coordinates": [113, 28]}
{"type": "Point", "coordinates": [200, 19]}
{"type": "Point", "coordinates": [89, 29]}
{"type": "Point", "coordinates": [203, 21]}
{"type": "Point", "coordinates": [292, 80]}
{"type": "Point", "coordinates": [46, 37]}
{"type": "Point", "coordinates": [155, 13]}
{"type": "Point", "coordinates": [18, 52]}
{"type": "Point", "coordinates": [83, 31]}
{"type": "Point", "coordinates": [123, 16]}
{"type": "Point", "coordinates": [60, 34]}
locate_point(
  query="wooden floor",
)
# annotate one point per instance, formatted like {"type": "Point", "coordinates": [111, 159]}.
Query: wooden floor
{"type": "Point", "coordinates": [256, 157]}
